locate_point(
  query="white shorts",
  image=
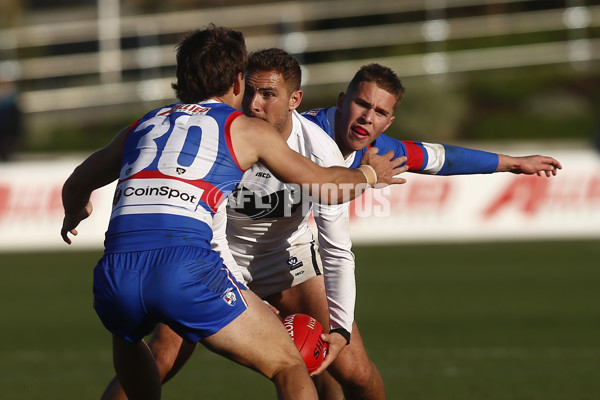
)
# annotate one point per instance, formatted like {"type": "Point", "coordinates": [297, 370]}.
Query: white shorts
{"type": "Point", "coordinates": [268, 274]}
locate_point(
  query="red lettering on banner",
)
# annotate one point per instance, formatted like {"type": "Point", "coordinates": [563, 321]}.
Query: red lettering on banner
{"type": "Point", "coordinates": [22, 203]}
{"type": "Point", "coordinates": [25, 202]}
{"type": "Point", "coordinates": [526, 195]}
{"type": "Point", "coordinates": [357, 204]}
{"type": "Point", "coordinates": [593, 192]}
{"type": "Point", "coordinates": [419, 196]}
{"type": "Point", "coordinates": [524, 192]}
{"type": "Point", "coordinates": [54, 204]}
{"type": "Point", "coordinates": [430, 194]}
{"type": "Point", "coordinates": [4, 197]}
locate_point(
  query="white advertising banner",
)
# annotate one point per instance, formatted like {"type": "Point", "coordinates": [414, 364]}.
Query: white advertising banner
{"type": "Point", "coordinates": [31, 211]}
{"type": "Point", "coordinates": [499, 206]}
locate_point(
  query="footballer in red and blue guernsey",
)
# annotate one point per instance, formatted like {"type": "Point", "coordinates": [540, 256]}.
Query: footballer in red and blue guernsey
{"type": "Point", "coordinates": [367, 109]}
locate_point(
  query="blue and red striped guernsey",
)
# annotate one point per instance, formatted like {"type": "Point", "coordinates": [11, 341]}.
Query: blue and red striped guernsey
{"type": "Point", "coordinates": [178, 167]}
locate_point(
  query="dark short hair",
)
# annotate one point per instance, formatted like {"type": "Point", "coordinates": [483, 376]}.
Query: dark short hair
{"type": "Point", "coordinates": [208, 62]}
{"type": "Point", "coordinates": [277, 60]}
{"type": "Point", "coordinates": [382, 76]}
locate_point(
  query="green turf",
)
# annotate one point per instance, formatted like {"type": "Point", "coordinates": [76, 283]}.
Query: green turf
{"type": "Point", "coordinates": [480, 321]}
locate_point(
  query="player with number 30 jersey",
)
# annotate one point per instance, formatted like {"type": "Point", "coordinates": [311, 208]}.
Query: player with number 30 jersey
{"type": "Point", "coordinates": [172, 177]}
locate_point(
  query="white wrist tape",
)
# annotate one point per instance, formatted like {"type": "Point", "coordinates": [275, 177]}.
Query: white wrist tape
{"type": "Point", "coordinates": [371, 181]}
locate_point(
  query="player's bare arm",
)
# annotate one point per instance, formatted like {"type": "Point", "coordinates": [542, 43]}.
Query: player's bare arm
{"type": "Point", "coordinates": [529, 165]}
{"type": "Point", "coordinates": [255, 140]}
{"type": "Point", "coordinates": [99, 169]}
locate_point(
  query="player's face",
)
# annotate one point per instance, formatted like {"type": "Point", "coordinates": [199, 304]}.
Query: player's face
{"type": "Point", "coordinates": [267, 97]}
{"type": "Point", "coordinates": [362, 116]}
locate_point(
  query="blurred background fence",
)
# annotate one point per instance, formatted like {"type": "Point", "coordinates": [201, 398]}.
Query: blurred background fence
{"type": "Point", "coordinates": [81, 66]}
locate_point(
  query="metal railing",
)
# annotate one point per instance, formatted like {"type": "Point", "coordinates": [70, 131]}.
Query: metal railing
{"type": "Point", "coordinates": [291, 25]}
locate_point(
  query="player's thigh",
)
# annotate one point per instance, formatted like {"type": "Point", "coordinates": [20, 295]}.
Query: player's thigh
{"type": "Point", "coordinates": [256, 339]}
{"type": "Point", "coordinates": [353, 362]}
{"type": "Point", "coordinates": [170, 350]}
{"type": "Point", "coordinates": [306, 298]}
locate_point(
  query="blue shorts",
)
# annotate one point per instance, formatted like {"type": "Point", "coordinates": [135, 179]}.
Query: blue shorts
{"type": "Point", "coordinates": [186, 287]}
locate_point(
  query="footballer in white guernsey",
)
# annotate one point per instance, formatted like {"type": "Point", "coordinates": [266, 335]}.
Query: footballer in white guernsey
{"type": "Point", "coordinates": [175, 165]}
{"type": "Point", "coordinates": [269, 236]}
{"type": "Point", "coordinates": [273, 245]}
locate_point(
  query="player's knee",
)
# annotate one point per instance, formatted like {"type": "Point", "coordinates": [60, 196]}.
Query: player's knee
{"type": "Point", "coordinates": [287, 363]}
{"type": "Point", "coordinates": [356, 375]}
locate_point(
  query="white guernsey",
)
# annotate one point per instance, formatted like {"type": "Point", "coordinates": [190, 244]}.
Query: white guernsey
{"type": "Point", "coordinates": [269, 236]}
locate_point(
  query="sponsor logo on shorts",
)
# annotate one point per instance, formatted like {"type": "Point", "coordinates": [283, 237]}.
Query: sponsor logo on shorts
{"type": "Point", "coordinates": [294, 263]}
{"type": "Point", "coordinates": [262, 174]}
{"type": "Point", "coordinates": [230, 297]}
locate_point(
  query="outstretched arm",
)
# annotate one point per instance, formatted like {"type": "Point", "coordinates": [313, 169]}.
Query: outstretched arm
{"type": "Point", "coordinates": [443, 159]}
{"type": "Point", "coordinates": [255, 140]}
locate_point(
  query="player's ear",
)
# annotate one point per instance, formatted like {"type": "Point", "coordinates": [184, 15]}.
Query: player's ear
{"type": "Point", "coordinates": [238, 84]}
{"type": "Point", "coordinates": [340, 100]}
{"type": "Point", "coordinates": [388, 124]}
{"type": "Point", "coordinates": [296, 99]}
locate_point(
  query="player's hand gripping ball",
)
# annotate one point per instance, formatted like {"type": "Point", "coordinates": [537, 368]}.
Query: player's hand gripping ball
{"type": "Point", "coordinates": [306, 333]}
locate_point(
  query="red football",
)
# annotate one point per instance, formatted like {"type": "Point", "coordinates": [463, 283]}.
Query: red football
{"type": "Point", "coordinates": [306, 333]}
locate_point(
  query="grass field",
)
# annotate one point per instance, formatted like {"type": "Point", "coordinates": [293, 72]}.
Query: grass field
{"type": "Point", "coordinates": [453, 322]}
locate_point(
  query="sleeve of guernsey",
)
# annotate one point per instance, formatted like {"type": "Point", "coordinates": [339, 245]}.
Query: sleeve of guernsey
{"type": "Point", "coordinates": [220, 244]}
{"type": "Point", "coordinates": [333, 224]}
{"type": "Point", "coordinates": [319, 117]}
{"type": "Point", "coordinates": [440, 159]}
